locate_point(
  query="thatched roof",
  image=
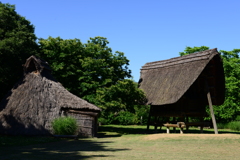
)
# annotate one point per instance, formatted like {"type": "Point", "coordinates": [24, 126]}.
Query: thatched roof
{"type": "Point", "coordinates": [36, 100]}
{"type": "Point", "coordinates": [165, 82]}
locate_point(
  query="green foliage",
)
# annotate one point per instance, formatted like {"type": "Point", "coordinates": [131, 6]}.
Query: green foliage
{"type": "Point", "coordinates": [83, 68]}
{"type": "Point", "coordinates": [92, 72]}
{"type": "Point", "coordinates": [234, 125]}
{"type": "Point", "coordinates": [126, 118]}
{"type": "Point", "coordinates": [140, 116]}
{"type": "Point", "coordinates": [231, 107]}
{"type": "Point", "coordinates": [231, 63]}
{"type": "Point", "coordinates": [64, 126]}
{"type": "Point", "coordinates": [222, 126]}
{"type": "Point", "coordinates": [122, 96]}
{"type": "Point", "coordinates": [107, 119]}
{"type": "Point", "coordinates": [17, 43]}
{"type": "Point", "coordinates": [190, 50]}
{"type": "Point", "coordinates": [142, 113]}
{"type": "Point", "coordinates": [237, 118]}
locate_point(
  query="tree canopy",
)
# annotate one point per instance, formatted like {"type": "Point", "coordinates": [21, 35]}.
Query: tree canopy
{"type": "Point", "coordinates": [231, 64]}
{"type": "Point", "coordinates": [17, 43]}
{"type": "Point", "coordinates": [91, 71]}
{"type": "Point", "coordinates": [82, 68]}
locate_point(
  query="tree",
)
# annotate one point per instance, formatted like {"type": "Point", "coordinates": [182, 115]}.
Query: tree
{"type": "Point", "coordinates": [231, 64]}
{"type": "Point", "coordinates": [231, 107]}
{"type": "Point", "coordinates": [83, 68]}
{"type": "Point", "coordinates": [121, 97]}
{"type": "Point", "coordinates": [189, 50]}
{"type": "Point", "coordinates": [17, 43]}
{"type": "Point", "coordinates": [92, 72]}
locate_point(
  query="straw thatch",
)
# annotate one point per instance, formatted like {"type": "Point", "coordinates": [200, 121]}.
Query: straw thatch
{"type": "Point", "coordinates": [37, 99]}
{"type": "Point", "coordinates": [179, 86]}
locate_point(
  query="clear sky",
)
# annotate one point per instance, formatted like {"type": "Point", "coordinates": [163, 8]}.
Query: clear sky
{"type": "Point", "coordinates": [145, 30]}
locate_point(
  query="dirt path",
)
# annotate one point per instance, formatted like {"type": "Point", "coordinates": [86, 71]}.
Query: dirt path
{"type": "Point", "coordinates": [193, 136]}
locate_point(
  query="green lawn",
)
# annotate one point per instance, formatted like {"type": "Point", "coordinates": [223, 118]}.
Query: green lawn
{"type": "Point", "coordinates": [131, 142]}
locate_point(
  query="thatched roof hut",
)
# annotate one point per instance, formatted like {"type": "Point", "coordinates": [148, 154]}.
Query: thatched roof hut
{"type": "Point", "coordinates": [37, 99]}
{"type": "Point", "coordinates": [178, 87]}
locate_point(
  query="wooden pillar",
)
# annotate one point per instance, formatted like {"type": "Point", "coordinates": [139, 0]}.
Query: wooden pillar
{"type": "Point", "coordinates": [174, 121]}
{"type": "Point", "coordinates": [202, 125]}
{"type": "Point", "coordinates": [187, 127]}
{"type": "Point", "coordinates": [168, 130]}
{"type": "Point", "coordinates": [155, 124]}
{"type": "Point", "coordinates": [149, 118]}
{"type": "Point", "coordinates": [212, 113]}
{"type": "Point", "coordinates": [181, 130]}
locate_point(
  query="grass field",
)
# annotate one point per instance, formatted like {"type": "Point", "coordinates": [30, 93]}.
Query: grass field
{"type": "Point", "coordinates": [132, 142]}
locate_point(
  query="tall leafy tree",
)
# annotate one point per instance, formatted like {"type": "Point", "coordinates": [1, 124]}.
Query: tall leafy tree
{"type": "Point", "coordinates": [231, 64]}
{"type": "Point", "coordinates": [189, 50]}
{"type": "Point", "coordinates": [17, 42]}
{"type": "Point", "coordinates": [91, 71]}
{"type": "Point", "coordinates": [123, 96]}
{"type": "Point", "coordinates": [231, 107]}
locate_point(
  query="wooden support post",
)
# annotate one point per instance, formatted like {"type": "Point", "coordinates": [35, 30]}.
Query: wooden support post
{"type": "Point", "coordinates": [202, 125]}
{"type": "Point", "coordinates": [212, 113]}
{"type": "Point", "coordinates": [174, 128]}
{"type": "Point", "coordinates": [187, 127]}
{"type": "Point", "coordinates": [181, 130]}
{"type": "Point", "coordinates": [149, 118]}
{"type": "Point", "coordinates": [155, 124]}
{"type": "Point", "coordinates": [168, 130]}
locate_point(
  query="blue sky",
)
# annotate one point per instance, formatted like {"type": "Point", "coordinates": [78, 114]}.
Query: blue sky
{"type": "Point", "coordinates": [145, 30]}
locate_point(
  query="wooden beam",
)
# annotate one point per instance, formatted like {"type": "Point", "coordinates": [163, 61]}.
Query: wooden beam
{"type": "Point", "coordinates": [93, 114]}
{"type": "Point", "coordinates": [212, 113]}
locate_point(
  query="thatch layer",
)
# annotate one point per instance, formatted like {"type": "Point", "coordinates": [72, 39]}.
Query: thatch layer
{"type": "Point", "coordinates": [165, 82]}
{"type": "Point", "coordinates": [37, 99]}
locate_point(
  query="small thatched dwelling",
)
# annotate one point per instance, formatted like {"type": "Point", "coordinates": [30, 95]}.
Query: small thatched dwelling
{"type": "Point", "coordinates": [37, 99]}
{"type": "Point", "coordinates": [183, 86]}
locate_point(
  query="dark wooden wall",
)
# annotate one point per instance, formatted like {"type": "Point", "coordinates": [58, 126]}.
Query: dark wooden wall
{"type": "Point", "coordinates": [87, 124]}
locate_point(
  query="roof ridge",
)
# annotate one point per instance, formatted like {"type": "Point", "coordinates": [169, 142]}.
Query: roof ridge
{"type": "Point", "coordinates": [180, 60]}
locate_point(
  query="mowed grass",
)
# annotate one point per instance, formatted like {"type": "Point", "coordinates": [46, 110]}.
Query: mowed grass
{"type": "Point", "coordinates": [132, 142]}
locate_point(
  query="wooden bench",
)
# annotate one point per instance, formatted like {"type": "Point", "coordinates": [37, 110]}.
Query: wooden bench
{"type": "Point", "coordinates": [179, 125]}
{"type": "Point", "coordinates": [182, 125]}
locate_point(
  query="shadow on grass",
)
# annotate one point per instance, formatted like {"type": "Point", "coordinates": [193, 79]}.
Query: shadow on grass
{"type": "Point", "coordinates": [105, 131]}
{"type": "Point", "coordinates": [65, 149]}
{"type": "Point", "coordinates": [125, 130]}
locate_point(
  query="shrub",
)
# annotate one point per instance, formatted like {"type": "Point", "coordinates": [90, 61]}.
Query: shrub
{"type": "Point", "coordinates": [235, 125]}
{"type": "Point", "coordinates": [126, 118]}
{"type": "Point", "coordinates": [107, 119]}
{"type": "Point", "coordinates": [222, 125]}
{"type": "Point", "coordinates": [237, 118]}
{"type": "Point", "coordinates": [142, 112]}
{"type": "Point", "coordinates": [64, 126]}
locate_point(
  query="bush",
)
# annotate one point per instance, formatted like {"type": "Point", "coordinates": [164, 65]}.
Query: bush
{"type": "Point", "coordinates": [126, 118]}
{"type": "Point", "coordinates": [64, 126]}
{"type": "Point", "coordinates": [140, 116]}
{"type": "Point", "coordinates": [235, 125]}
{"type": "Point", "coordinates": [142, 112]}
{"type": "Point", "coordinates": [222, 125]}
{"type": "Point", "coordinates": [107, 119]}
{"type": "Point", "coordinates": [237, 118]}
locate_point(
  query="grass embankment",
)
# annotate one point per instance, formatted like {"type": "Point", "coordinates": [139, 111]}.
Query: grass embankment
{"type": "Point", "coordinates": [132, 142]}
